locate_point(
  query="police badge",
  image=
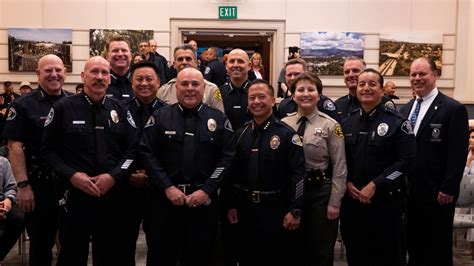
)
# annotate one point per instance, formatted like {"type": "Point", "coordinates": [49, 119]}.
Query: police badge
{"type": "Point", "coordinates": [114, 116]}
{"type": "Point", "coordinates": [274, 142]}
{"type": "Point", "coordinates": [382, 129]}
{"type": "Point", "coordinates": [211, 125]}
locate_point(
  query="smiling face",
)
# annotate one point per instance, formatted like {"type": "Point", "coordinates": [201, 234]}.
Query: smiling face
{"type": "Point", "coordinates": [96, 77]}
{"type": "Point", "coordinates": [189, 87]}
{"type": "Point", "coordinates": [369, 90]}
{"type": "Point", "coordinates": [306, 96]}
{"type": "Point", "coordinates": [145, 84]}
{"type": "Point", "coordinates": [238, 65]}
{"type": "Point", "coordinates": [422, 77]}
{"type": "Point", "coordinates": [51, 74]}
{"type": "Point", "coordinates": [260, 101]}
{"type": "Point", "coordinates": [119, 56]}
{"type": "Point", "coordinates": [352, 69]}
{"type": "Point", "coordinates": [184, 58]}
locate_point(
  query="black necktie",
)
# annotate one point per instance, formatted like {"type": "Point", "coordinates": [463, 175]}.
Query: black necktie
{"type": "Point", "coordinates": [302, 126]}
{"type": "Point", "coordinates": [189, 146]}
{"type": "Point", "coordinates": [253, 169]}
{"type": "Point", "coordinates": [100, 140]}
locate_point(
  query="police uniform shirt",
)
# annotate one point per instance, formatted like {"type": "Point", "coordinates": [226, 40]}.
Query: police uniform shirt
{"type": "Point", "coordinates": [215, 72]}
{"type": "Point", "coordinates": [379, 146]}
{"type": "Point", "coordinates": [280, 162]}
{"type": "Point", "coordinates": [139, 113]}
{"type": "Point", "coordinates": [212, 95]}
{"type": "Point", "coordinates": [70, 145]}
{"type": "Point", "coordinates": [349, 103]}
{"type": "Point", "coordinates": [8, 98]}
{"type": "Point", "coordinates": [161, 67]}
{"type": "Point", "coordinates": [120, 87]}
{"type": "Point", "coordinates": [162, 147]}
{"type": "Point", "coordinates": [323, 142]}
{"type": "Point", "coordinates": [236, 103]}
{"type": "Point", "coordinates": [25, 121]}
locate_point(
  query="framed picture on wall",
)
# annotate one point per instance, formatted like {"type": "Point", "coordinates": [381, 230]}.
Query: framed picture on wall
{"type": "Point", "coordinates": [325, 52]}
{"type": "Point", "coordinates": [98, 39]}
{"type": "Point", "coordinates": [27, 46]}
{"type": "Point", "coordinates": [398, 50]}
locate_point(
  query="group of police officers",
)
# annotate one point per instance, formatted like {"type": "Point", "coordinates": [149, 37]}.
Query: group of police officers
{"type": "Point", "coordinates": [199, 156]}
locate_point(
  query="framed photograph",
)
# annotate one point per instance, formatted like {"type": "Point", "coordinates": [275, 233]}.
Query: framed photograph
{"type": "Point", "coordinates": [325, 52]}
{"type": "Point", "coordinates": [398, 50]}
{"type": "Point", "coordinates": [98, 39]}
{"type": "Point", "coordinates": [27, 46]}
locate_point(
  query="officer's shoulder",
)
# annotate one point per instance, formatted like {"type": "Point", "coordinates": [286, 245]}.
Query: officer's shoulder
{"type": "Point", "coordinates": [210, 84]}
{"type": "Point", "coordinates": [284, 126]}
{"type": "Point", "coordinates": [355, 111]}
{"type": "Point", "coordinates": [341, 99]}
{"type": "Point", "coordinates": [393, 112]}
{"type": "Point", "coordinates": [290, 117]}
{"type": "Point", "coordinates": [327, 118]}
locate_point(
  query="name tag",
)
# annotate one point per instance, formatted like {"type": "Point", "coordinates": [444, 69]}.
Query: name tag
{"type": "Point", "coordinates": [109, 95]}
{"type": "Point", "coordinates": [78, 122]}
{"type": "Point", "coordinates": [237, 106]}
{"type": "Point", "coordinates": [125, 95]}
{"type": "Point", "coordinates": [170, 132]}
{"type": "Point", "coordinates": [189, 134]}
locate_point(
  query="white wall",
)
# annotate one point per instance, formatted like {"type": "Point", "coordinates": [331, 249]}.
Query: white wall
{"type": "Point", "coordinates": [451, 18]}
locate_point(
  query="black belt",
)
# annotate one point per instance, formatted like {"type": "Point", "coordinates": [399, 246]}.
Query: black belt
{"type": "Point", "coordinates": [316, 177]}
{"type": "Point", "coordinates": [188, 189]}
{"type": "Point", "coordinates": [257, 196]}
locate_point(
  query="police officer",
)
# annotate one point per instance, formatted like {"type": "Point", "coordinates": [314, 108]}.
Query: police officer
{"type": "Point", "coordinates": [119, 56]}
{"type": "Point", "coordinates": [24, 131]}
{"type": "Point", "coordinates": [186, 149]}
{"type": "Point", "coordinates": [87, 141]}
{"type": "Point", "coordinates": [184, 56]}
{"type": "Point", "coordinates": [294, 68]}
{"type": "Point", "coordinates": [379, 148]}
{"type": "Point", "coordinates": [263, 192]}
{"type": "Point", "coordinates": [145, 84]}
{"type": "Point", "coordinates": [215, 70]}
{"type": "Point", "coordinates": [234, 92]}
{"type": "Point", "coordinates": [323, 144]}
{"type": "Point", "coordinates": [353, 66]}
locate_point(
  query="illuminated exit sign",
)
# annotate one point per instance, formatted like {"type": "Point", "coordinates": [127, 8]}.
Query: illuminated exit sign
{"type": "Point", "coordinates": [227, 12]}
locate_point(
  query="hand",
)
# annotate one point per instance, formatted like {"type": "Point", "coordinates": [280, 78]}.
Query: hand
{"type": "Point", "coordinates": [353, 191]}
{"type": "Point", "coordinates": [290, 222]}
{"type": "Point", "coordinates": [444, 198]}
{"type": "Point", "coordinates": [138, 179]}
{"type": "Point", "coordinates": [175, 195]}
{"type": "Point", "coordinates": [104, 182]}
{"type": "Point", "coordinates": [26, 199]}
{"type": "Point", "coordinates": [197, 198]}
{"type": "Point", "coordinates": [333, 212]}
{"type": "Point", "coordinates": [85, 183]}
{"type": "Point", "coordinates": [232, 216]}
{"type": "Point", "coordinates": [367, 193]}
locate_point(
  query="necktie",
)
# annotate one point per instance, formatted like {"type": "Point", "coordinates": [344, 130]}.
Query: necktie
{"type": "Point", "coordinates": [302, 126]}
{"type": "Point", "coordinates": [253, 169]}
{"type": "Point", "coordinates": [100, 140]}
{"type": "Point", "coordinates": [189, 146]}
{"type": "Point", "coordinates": [414, 115]}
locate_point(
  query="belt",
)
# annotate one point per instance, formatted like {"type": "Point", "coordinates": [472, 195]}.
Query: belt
{"type": "Point", "coordinates": [257, 196]}
{"type": "Point", "coordinates": [316, 177]}
{"type": "Point", "coordinates": [188, 188]}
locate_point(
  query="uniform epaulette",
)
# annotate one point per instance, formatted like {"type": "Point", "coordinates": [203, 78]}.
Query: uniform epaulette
{"type": "Point", "coordinates": [327, 116]}
{"type": "Point", "coordinates": [357, 110]}
{"type": "Point", "coordinates": [292, 114]}
{"type": "Point", "coordinates": [393, 111]}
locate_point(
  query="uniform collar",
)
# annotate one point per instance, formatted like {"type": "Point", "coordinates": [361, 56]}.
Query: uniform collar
{"type": "Point", "coordinates": [242, 88]}
{"type": "Point", "coordinates": [115, 77]}
{"type": "Point", "coordinates": [264, 125]}
{"type": "Point", "coordinates": [311, 117]}
{"type": "Point", "coordinates": [196, 110]}
{"type": "Point", "coordinates": [91, 103]}
{"type": "Point", "coordinates": [371, 114]}
{"type": "Point", "coordinates": [41, 94]}
{"type": "Point", "coordinates": [140, 103]}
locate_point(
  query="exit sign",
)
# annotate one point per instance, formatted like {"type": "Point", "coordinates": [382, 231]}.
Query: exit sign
{"type": "Point", "coordinates": [227, 12]}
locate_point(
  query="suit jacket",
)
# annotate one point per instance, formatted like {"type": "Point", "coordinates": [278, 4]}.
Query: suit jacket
{"type": "Point", "coordinates": [442, 143]}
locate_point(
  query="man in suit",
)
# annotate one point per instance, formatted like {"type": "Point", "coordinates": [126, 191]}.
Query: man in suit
{"type": "Point", "coordinates": [440, 125]}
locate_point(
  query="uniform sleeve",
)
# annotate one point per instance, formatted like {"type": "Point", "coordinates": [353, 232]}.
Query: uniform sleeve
{"type": "Point", "coordinates": [457, 147]}
{"type": "Point", "coordinates": [16, 126]}
{"type": "Point", "coordinates": [51, 146]}
{"type": "Point", "coordinates": [296, 166]}
{"type": "Point", "coordinates": [338, 159]}
{"type": "Point", "coordinates": [405, 149]}
{"type": "Point", "coordinates": [215, 98]}
{"type": "Point", "coordinates": [149, 145]}
{"type": "Point", "coordinates": [229, 178]}
{"type": "Point", "coordinates": [9, 182]}
{"type": "Point", "coordinates": [214, 181]}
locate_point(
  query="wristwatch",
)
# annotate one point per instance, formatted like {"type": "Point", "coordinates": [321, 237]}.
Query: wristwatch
{"type": "Point", "coordinates": [296, 213]}
{"type": "Point", "coordinates": [23, 183]}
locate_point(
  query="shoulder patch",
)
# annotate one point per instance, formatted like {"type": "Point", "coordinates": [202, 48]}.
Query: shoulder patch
{"type": "Point", "coordinates": [217, 95]}
{"type": "Point", "coordinates": [329, 105]}
{"type": "Point", "coordinates": [228, 126]}
{"type": "Point", "coordinates": [207, 71]}
{"type": "Point", "coordinates": [150, 122]}
{"type": "Point", "coordinates": [407, 128]}
{"type": "Point", "coordinates": [338, 131]}
{"type": "Point", "coordinates": [390, 104]}
{"type": "Point", "coordinates": [130, 119]}
{"type": "Point", "coordinates": [296, 140]}
{"type": "Point", "coordinates": [49, 118]}
{"type": "Point", "coordinates": [11, 114]}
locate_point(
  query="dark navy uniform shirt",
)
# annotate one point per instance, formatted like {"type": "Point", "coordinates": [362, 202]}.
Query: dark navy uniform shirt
{"type": "Point", "coordinates": [162, 147]}
{"type": "Point", "coordinates": [70, 142]}
{"type": "Point", "coordinates": [348, 103]}
{"type": "Point", "coordinates": [120, 87]}
{"type": "Point", "coordinates": [140, 112]}
{"type": "Point", "coordinates": [325, 105]}
{"type": "Point", "coordinates": [281, 163]}
{"type": "Point", "coordinates": [25, 122]}
{"type": "Point", "coordinates": [379, 147]}
{"type": "Point", "coordinates": [236, 103]}
{"type": "Point", "coordinates": [215, 72]}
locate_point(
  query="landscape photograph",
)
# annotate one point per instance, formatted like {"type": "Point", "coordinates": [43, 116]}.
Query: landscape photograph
{"type": "Point", "coordinates": [98, 38]}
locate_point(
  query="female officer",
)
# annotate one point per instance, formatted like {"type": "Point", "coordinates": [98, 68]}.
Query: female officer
{"type": "Point", "coordinates": [323, 144]}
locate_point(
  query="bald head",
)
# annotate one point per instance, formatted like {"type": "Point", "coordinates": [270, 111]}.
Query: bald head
{"type": "Point", "coordinates": [96, 77]}
{"type": "Point", "coordinates": [189, 87]}
{"type": "Point", "coordinates": [238, 65]}
{"type": "Point", "coordinates": [51, 74]}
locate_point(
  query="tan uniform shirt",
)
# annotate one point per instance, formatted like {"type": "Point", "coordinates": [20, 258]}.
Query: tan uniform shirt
{"type": "Point", "coordinates": [212, 94]}
{"type": "Point", "coordinates": [323, 142]}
